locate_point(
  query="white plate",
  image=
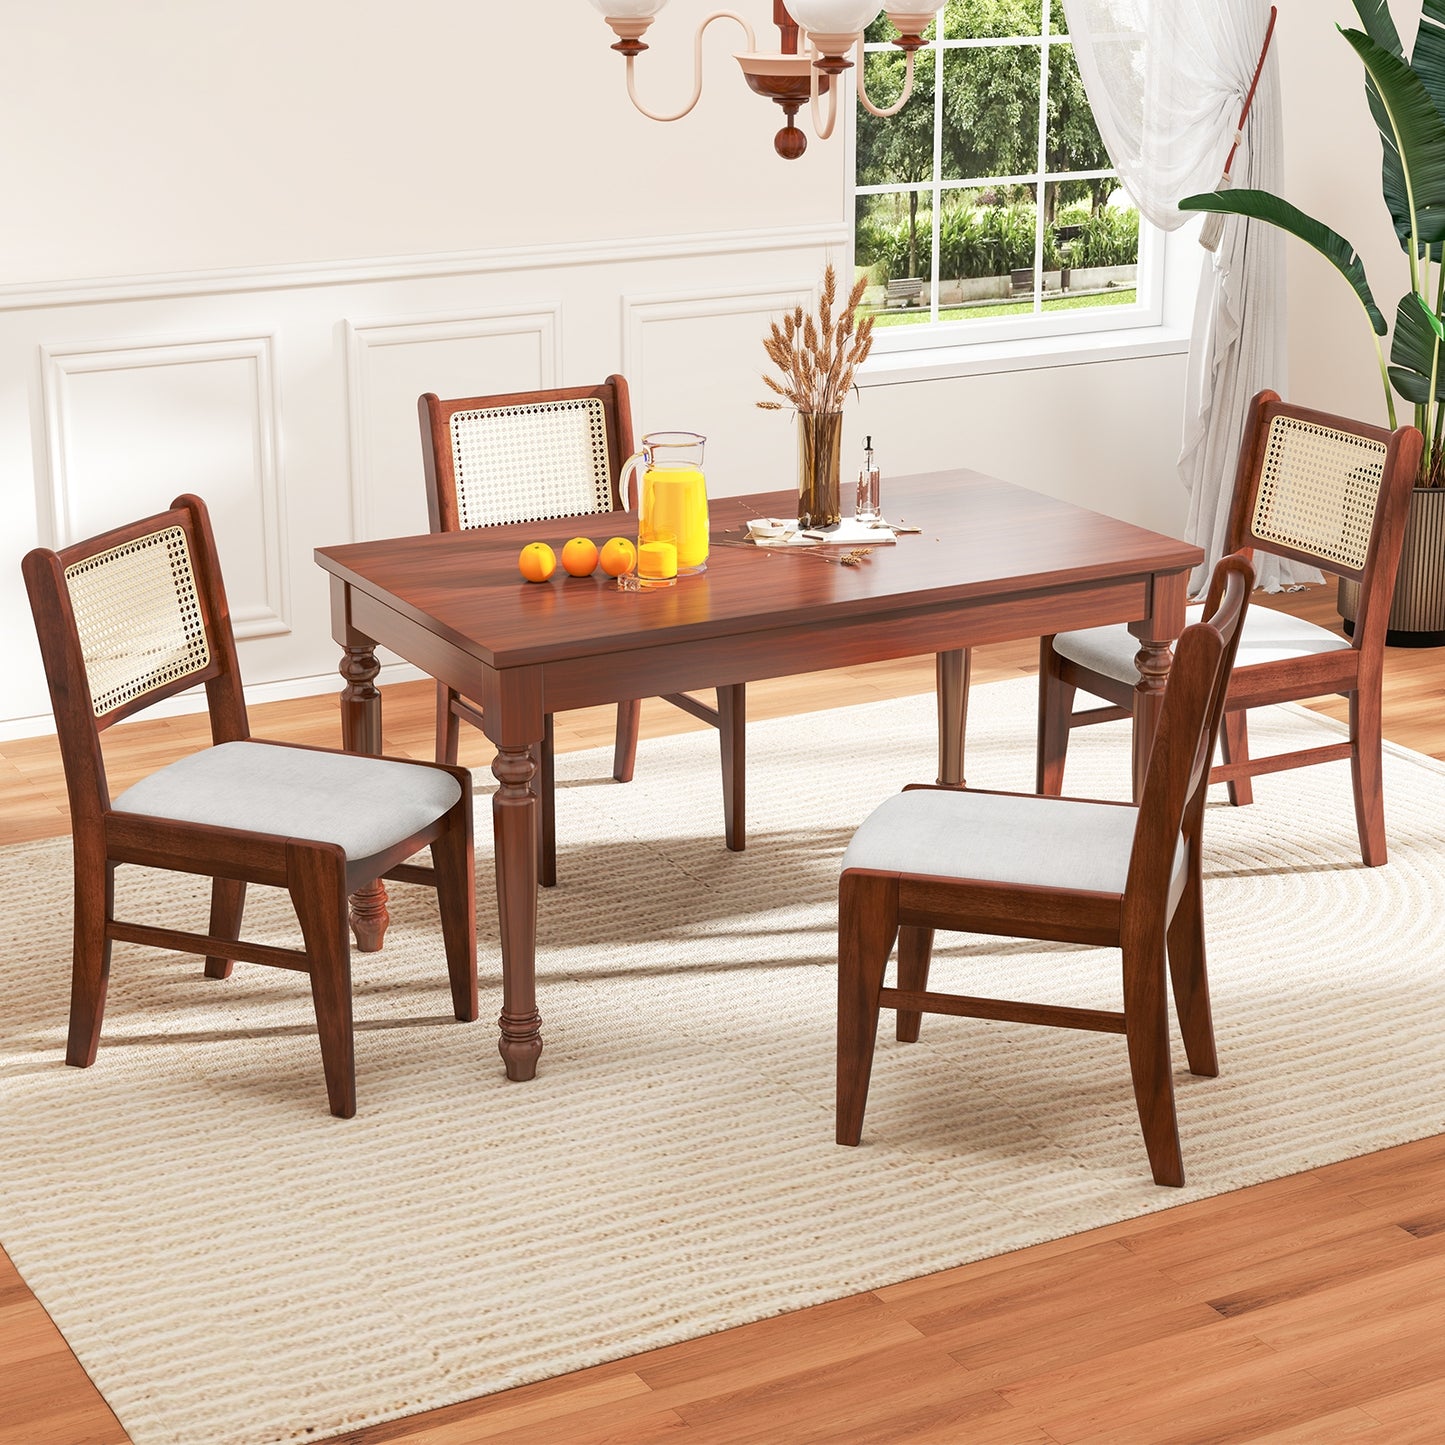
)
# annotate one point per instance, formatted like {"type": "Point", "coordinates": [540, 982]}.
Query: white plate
{"type": "Point", "coordinates": [771, 527]}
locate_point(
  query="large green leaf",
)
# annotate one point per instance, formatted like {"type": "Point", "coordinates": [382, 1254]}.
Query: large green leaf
{"type": "Point", "coordinates": [1379, 25]}
{"type": "Point", "coordinates": [1428, 58]}
{"type": "Point", "coordinates": [1415, 348]}
{"type": "Point", "coordinates": [1262, 206]}
{"type": "Point", "coordinates": [1412, 133]}
{"type": "Point", "coordinates": [1428, 62]}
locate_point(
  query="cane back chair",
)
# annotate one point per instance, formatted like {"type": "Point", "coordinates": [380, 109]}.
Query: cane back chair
{"type": "Point", "coordinates": [1309, 486]}
{"type": "Point", "coordinates": [139, 614]}
{"type": "Point", "coordinates": [1105, 874]}
{"type": "Point", "coordinates": [538, 456]}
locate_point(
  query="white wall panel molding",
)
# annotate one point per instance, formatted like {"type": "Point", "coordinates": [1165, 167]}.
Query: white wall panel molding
{"type": "Point", "coordinates": [193, 414]}
{"type": "Point", "coordinates": [641, 311]}
{"type": "Point", "coordinates": [564, 254]}
{"type": "Point", "coordinates": [694, 360]}
{"type": "Point", "coordinates": [370, 434]}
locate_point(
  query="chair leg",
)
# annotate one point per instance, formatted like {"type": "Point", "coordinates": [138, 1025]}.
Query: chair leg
{"type": "Point", "coordinates": [1234, 742]}
{"type": "Point", "coordinates": [546, 785]}
{"type": "Point", "coordinates": [449, 726]}
{"type": "Point", "coordinates": [1056, 706]}
{"type": "Point", "coordinates": [867, 924]}
{"type": "Point", "coordinates": [624, 750]}
{"type": "Point", "coordinates": [90, 957]}
{"type": "Point", "coordinates": [1146, 1024]}
{"type": "Point", "coordinates": [316, 880]}
{"type": "Point", "coordinates": [1188, 974]}
{"type": "Point", "coordinates": [1367, 774]}
{"type": "Point", "coordinates": [732, 733]}
{"type": "Point", "coordinates": [228, 902]}
{"type": "Point", "coordinates": [451, 853]}
{"type": "Point", "coordinates": [915, 953]}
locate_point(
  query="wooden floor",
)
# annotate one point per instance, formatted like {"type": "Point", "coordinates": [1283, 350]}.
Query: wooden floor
{"type": "Point", "coordinates": [1309, 1310]}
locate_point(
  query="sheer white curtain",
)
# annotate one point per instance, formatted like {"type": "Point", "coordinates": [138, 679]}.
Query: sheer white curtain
{"type": "Point", "coordinates": [1166, 80]}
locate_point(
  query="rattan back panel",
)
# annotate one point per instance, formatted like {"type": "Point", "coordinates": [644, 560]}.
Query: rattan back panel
{"type": "Point", "coordinates": [1318, 491]}
{"type": "Point", "coordinates": [138, 617]}
{"type": "Point", "coordinates": [532, 462]}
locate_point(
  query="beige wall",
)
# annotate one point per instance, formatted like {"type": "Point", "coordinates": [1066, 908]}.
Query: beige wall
{"type": "Point", "coordinates": [1332, 172]}
{"type": "Point", "coordinates": [184, 135]}
{"type": "Point", "coordinates": [240, 239]}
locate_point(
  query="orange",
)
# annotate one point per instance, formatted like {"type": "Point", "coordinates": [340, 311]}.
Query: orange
{"type": "Point", "coordinates": [538, 561]}
{"type": "Point", "coordinates": [579, 557]}
{"type": "Point", "coordinates": [618, 556]}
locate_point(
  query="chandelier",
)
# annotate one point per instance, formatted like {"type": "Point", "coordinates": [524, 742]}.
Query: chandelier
{"type": "Point", "coordinates": [817, 37]}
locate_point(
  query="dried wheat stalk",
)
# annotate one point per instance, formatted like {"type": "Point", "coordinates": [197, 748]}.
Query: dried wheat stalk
{"type": "Point", "coordinates": [817, 355]}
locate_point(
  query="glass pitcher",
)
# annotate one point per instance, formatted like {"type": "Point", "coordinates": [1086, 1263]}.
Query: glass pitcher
{"type": "Point", "coordinates": [672, 497]}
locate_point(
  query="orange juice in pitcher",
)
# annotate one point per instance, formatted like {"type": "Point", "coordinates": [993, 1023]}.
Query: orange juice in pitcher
{"type": "Point", "coordinates": [672, 505]}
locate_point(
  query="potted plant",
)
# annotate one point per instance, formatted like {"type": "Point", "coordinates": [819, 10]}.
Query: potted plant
{"type": "Point", "coordinates": [1407, 101]}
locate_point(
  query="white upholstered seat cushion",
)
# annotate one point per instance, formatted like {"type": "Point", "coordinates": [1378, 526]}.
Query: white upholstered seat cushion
{"type": "Point", "coordinates": [365, 804]}
{"type": "Point", "coordinates": [1268, 636]}
{"type": "Point", "coordinates": [1000, 838]}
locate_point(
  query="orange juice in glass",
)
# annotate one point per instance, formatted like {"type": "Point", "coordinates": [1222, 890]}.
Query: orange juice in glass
{"type": "Point", "coordinates": [672, 499]}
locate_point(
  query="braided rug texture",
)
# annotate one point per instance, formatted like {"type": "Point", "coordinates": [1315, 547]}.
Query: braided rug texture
{"type": "Point", "coordinates": [231, 1264]}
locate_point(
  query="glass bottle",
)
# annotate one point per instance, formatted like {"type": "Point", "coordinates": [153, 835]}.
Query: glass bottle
{"type": "Point", "coordinates": [866, 504]}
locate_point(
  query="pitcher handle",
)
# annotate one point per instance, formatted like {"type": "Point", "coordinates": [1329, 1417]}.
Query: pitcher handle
{"type": "Point", "coordinates": [629, 492]}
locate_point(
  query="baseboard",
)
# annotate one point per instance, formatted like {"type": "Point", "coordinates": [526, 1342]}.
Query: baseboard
{"type": "Point", "coordinates": [187, 703]}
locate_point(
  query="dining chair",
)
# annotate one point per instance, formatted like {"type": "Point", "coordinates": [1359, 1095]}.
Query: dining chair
{"type": "Point", "coordinates": [1108, 875]}
{"type": "Point", "coordinates": [139, 614]}
{"type": "Point", "coordinates": [1316, 488]}
{"type": "Point", "coordinates": [537, 456]}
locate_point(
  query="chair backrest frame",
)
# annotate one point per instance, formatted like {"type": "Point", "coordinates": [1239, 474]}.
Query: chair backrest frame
{"type": "Point", "coordinates": [1178, 775]}
{"type": "Point", "coordinates": [435, 414]}
{"type": "Point", "coordinates": [1401, 459]}
{"type": "Point", "coordinates": [77, 724]}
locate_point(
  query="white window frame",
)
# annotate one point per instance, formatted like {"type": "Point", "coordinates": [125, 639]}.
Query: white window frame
{"type": "Point", "coordinates": [1157, 322]}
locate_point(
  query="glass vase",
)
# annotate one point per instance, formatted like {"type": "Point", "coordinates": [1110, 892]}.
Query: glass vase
{"type": "Point", "coordinates": [820, 435]}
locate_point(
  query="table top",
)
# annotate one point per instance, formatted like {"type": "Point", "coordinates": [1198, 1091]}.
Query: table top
{"type": "Point", "coordinates": [981, 538]}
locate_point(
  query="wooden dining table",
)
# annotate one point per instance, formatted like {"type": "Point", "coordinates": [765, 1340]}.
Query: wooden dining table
{"type": "Point", "coordinates": [991, 562]}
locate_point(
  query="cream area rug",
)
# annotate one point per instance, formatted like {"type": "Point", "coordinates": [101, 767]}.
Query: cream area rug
{"type": "Point", "coordinates": [231, 1264]}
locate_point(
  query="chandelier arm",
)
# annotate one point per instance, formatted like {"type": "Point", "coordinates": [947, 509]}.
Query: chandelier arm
{"type": "Point", "coordinates": [821, 129]}
{"type": "Point", "coordinates": [884, 112]}
{"type": "Point", "coordinates": [696, 66]}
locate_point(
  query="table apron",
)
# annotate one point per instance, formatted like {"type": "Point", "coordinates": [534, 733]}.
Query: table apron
{"type": "Point", "coordinates": [839, 642]}
{"type": "Point", "coordinates": [569, 683]}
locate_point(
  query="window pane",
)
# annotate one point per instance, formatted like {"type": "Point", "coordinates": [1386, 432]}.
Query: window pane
{"type": "Point", "coordinates": [893, 236]}
{"type": "Point", "coordinates": [991, 111]}
{"type": "Point", "coordinates": [986, 19]}
{"type": "Point", "coordinates": [1073, 139]}
{"type": "Point", "coordinates": [899, 148]}
{"type": "Point", "coordinates": [1058, 21]}
{"type": "Point", "coordinates": [1107, 236]}
{"type": "Point", "coordinates": [986, 253]}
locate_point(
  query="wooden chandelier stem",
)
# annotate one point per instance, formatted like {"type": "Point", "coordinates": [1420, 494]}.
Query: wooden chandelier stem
{"type": "Point", "coordinates": [787, 27]}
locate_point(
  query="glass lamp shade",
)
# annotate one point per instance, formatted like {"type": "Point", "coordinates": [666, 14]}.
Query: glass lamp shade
{"type": "Point", "coordinates": [912, 18]}
{"type": "Point", "coordinates": [628, 9]}
{"type": "Point", "coordinates": [834, 17]}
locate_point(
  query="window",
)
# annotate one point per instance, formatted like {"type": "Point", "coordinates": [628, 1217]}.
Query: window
{"type": "Point", "coordinates": [987, 208]}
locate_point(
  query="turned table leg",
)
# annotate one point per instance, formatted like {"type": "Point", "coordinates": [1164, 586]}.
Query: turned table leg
{"type": "Point", "coordinates": [952, 670]}
{"type": "Point", "coordinates": [514, 827]}
{"type": "Point", "coordinates": [361, 733]}
{"type": "Point", "coordinates": [1153, 662]}
{"type": "Point", "coordinates": [1156, 636]}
